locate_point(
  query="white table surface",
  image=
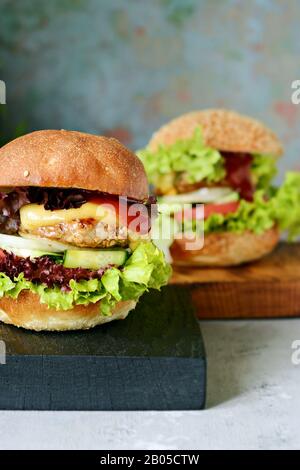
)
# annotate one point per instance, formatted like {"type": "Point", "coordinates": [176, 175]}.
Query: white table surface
{"type": "Point", "coordinates": [253, 402]}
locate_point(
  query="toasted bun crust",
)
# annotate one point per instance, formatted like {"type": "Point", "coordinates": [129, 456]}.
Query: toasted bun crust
{"type": "Point", "coordinates": [27, 312]}
{"type": "Point", "coordinates": [226, 249]}
{"type": "Point", "coordinates": [69, 159]}
{"type": "Point", "coordinates": [223, 130]}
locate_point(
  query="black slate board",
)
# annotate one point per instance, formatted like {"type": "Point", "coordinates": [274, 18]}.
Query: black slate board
{"type": "Point", "coordinates": [153, 360]}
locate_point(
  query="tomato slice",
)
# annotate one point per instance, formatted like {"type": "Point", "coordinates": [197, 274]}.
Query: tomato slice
{"type": "Point", "coordinates": [209, 209]}
{"type": "Point", "coordinates": [136, 218]}
{"type": "Point", "coordinates": [228, 208]}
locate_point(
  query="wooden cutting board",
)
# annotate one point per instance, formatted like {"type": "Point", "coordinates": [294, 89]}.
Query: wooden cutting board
{"type": "Point", "coordinates": [265, 289]}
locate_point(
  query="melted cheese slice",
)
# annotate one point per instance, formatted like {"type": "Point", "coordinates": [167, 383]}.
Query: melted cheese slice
{"type": "Point", "coordinates": [34, 216]}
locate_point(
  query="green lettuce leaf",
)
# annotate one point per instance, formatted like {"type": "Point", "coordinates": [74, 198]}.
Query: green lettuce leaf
{"type": "Point", "coordinates": [110, 282]}
{"type": "Point", "coordinates": [190, 157]}
{"type": "Point", "coordinates": [53, 297]}
{"type": "Point", "coordinates": [285, 205]}
{"type": "Point", "coordinates": [14, 288]}
{"type": "Point", "coordinates": [136, 279]}
{"type": "Point", "coordinates": [85, 292]}
{"type": "Point", "coordinates": [145, 268]}
{"type": "Point", "coordinates": [6, 285]}
{"type": "Point", "coordinates": [264, 169]}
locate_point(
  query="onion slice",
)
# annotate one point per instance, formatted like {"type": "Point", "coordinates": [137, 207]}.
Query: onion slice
{"type": "Point", "coordinates": [36, 244]}
{"type": "Point", "coordinates": [202, 195]}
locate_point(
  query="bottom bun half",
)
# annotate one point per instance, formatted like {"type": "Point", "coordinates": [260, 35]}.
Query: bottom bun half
{"type": "Point", "coordinates": [27, 312]}
{"type": "Point", "coordinates": [226, 249]}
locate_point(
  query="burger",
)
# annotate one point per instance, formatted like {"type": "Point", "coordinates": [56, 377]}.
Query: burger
{"type": "Point", "coordinates": [75, 219]}
{"type": "Point", "coordinates": [226, 162]}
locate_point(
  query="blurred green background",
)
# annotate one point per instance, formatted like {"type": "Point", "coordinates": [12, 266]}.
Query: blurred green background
{"type": "Point", "coordinates": [124, 67]}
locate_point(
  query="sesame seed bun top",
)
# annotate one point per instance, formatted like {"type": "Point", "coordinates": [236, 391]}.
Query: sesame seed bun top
{"type": "Point", "coordinates": [223, 130]}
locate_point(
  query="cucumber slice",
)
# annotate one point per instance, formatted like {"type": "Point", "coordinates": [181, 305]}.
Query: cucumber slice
{"type": "Point", "coordinates": [94, 259]}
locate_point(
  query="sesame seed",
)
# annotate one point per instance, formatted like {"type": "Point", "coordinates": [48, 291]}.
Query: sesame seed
{"type": "Point", "coordinates": [26, 173]}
